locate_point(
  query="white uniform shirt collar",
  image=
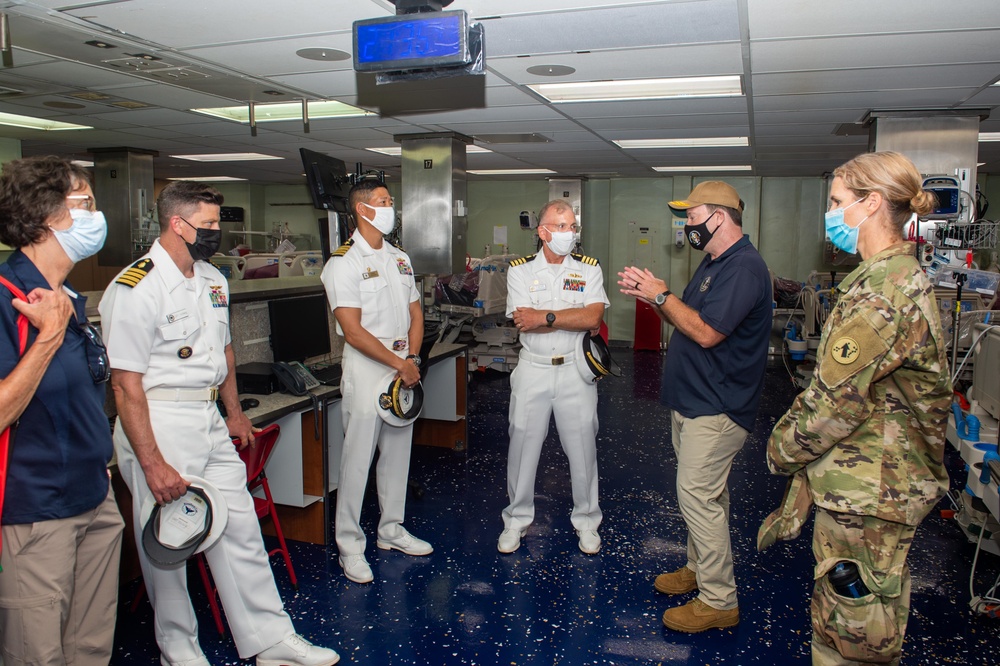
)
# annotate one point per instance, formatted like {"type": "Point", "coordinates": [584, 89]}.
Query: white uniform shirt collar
{"type": "Point", "coordinates": [164, 266]}
{"type": "Point", "coordinates": [367, 250]}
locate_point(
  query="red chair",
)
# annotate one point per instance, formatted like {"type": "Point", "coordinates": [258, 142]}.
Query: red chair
{"type": "Point", "coordinates": [254, 457]}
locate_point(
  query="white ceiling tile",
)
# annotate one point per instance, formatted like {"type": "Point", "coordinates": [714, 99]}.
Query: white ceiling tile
{"type": "Point", "coordinates": [797, 55]}
{"type": "Point", "coordinates": [882, 79]}
{"type": "Point", "coordinates": [781, 19]}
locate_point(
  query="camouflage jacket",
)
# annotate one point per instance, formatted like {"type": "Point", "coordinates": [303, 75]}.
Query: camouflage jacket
{"type": "Point", "coordinates": [870, 427]}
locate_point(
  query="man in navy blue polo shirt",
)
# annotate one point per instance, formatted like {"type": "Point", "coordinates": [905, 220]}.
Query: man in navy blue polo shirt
{"type": "Point", "coordinates": [712, 385]}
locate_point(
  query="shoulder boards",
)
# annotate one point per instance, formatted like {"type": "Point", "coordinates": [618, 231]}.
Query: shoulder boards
{"type": "Point", "coordinates": [342, 250]}
{"type": "Point", "coordinates": [587, 260]}
{"type": "Point", "coordinates": [135, 272]}
{"type": "Point", "coordinates": [522, 260]}
{"type": "Point", "coordinates": [398, 246]}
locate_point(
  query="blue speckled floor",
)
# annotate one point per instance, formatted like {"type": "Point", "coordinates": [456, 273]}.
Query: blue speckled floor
{"type": "Point", "coordinates": [550, 604]}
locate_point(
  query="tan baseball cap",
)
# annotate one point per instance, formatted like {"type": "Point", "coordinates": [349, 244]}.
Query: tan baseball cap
{"type": "Point", "coordinates": [713, 192]}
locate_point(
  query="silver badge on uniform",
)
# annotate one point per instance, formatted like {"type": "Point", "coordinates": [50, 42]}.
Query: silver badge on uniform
{"type": "Point", "coordinates": [705, 284]}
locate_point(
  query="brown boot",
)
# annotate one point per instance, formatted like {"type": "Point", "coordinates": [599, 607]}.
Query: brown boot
{"type": "Point", "coordinates": [678, 582]}
{"type": "Point", "coordinates": [696, 616]}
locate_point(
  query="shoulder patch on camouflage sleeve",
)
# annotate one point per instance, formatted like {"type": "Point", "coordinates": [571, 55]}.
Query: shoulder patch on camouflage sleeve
{"type": "Point", "coordinates": [587, 260]}
{"type": "Point", "coordinates": [522, 260]}
{"type": "Point", "coordinates": [342, 250]}
{"type": "Point", "coordinates": [135, 273]}
{"type": "Point", "coordinates": [851, 349]}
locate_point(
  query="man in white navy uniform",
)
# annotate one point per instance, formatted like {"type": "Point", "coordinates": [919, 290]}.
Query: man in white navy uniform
{"type": "Point", "coordinates": [554, 298]}
{"type": "Point", "coordinates": [166, 323]}
{"type": "Point", "coordinates": [369, 283]}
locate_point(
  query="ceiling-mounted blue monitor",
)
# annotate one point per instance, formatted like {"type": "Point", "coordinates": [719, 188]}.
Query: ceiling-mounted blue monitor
{"type": "Point", "coordinates": [424, 40]}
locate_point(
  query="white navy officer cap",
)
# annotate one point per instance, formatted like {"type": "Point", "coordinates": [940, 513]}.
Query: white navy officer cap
{"type": "Point", "coordinates": [396, 404]}
{"type": "Point", "coordinates": [175, 531]}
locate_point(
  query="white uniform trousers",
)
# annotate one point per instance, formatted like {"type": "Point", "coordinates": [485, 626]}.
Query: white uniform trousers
{"type": "Point", "coordinates": [364, 431]}
{"type": "Point", "coordinates": [537, 392]}
{"type": "Point", "coordinates": [193, 438]}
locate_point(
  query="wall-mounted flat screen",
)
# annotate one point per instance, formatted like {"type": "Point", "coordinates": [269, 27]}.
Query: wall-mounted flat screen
{"type": "Point", "coordinates": [328, 181]}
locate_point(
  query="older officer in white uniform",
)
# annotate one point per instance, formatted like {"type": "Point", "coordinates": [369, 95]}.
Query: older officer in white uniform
{"type": "Point", "coordinates": [554, 298]}
{"type": "Point", "coordinates": [369, 283]}
{"type": "Point", "coordinates": [166, 323]}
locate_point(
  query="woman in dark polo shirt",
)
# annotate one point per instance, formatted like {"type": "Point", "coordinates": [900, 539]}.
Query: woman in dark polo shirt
{"type": "Point", "coordinates": [61, 526]}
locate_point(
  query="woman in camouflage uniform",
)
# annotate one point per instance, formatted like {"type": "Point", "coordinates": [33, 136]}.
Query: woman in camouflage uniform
{"type": "Point", "coordinates": [867, 436]}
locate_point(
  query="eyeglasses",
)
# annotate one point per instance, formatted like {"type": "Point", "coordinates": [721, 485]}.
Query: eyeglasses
{"type": "Point", "coordinates": [81, 201]}
{"type": "Point", "coordinates": [563, 227]}
{"type": "Point", "coordinates": [97, 354]}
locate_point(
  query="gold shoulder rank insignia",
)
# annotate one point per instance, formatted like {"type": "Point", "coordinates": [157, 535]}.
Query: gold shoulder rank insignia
{"type": "Point", "coordinates": [587, 260]}
{"type": "Point", "coordinates": [135, 272]}
{"type": "Point", "coordinates": [342, 250]}
{"type": "Point", "coordinates": [522, 260]}
{"type": "Point", "coordinates": [398, 246]}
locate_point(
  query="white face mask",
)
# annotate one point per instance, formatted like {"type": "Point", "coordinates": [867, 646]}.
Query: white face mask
{"type": "Point", "coordinates": [384, 220]}
{"type": "Point", "coordinates": [86, 235]}
{"type": "Point", "coordinates": [562, 242]}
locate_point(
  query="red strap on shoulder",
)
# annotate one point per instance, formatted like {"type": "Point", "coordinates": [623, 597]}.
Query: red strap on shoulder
{"type": "Point", "coordinates": [22, 321]}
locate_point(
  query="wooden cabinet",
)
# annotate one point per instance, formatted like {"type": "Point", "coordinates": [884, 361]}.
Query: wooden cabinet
{"type": "Point", "coordinates": [295, 473]}
{"type": "Point", "coordinates": [443, 419]}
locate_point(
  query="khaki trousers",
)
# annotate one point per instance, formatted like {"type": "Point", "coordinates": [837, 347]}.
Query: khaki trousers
{"type": "Point", "coordinates": [705, 447]}
{"type": "Point", "coordinates": [59, 588]}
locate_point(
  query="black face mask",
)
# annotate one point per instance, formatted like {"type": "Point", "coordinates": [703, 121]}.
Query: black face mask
{"type": "Point", "coordinates": [699, 235]}
{"type": "Point", "coordinates": [206, 242]}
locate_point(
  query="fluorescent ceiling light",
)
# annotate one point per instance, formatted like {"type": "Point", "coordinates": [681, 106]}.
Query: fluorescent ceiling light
{"type": "Point", "coordinates": [700, 142]}
{"type": "Point", "coordinates": [989, 136]}
{"type": "Point", "coordinates": [606, 91]}
{"type": "Point", "coordinates": [396, 151]}
{"type": "Point", "coordinates": [27, 122]}
{"type": "Point", "coordinates": [86, 164]}
{"type": "Point", "coordinates": [208, 179]}
{"type": "Point", "coordinates": [227, 157]}
{"type": "Point", "coordinates": [695, 169]}
{"type": "Point", "coordinates": [265, 113]}
{"type": "Point", "coordinates": [507, 172]}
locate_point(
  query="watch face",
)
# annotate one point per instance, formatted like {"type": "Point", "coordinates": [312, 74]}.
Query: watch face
{"type": "Point", "coordinates": [661, 299]}
{"type": "Point", "coordinates": [550, 318]}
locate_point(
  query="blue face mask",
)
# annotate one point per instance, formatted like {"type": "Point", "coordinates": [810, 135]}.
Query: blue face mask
{"type": "Point", "coordinates": [842, 236]}
{"type": "Point", "coordinates": [86, 235]}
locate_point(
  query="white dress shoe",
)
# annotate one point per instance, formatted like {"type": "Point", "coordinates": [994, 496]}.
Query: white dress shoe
{"type": "Point", "coordinates": [297, 651]}
{"type": "Point", "coordinates": [406, 543]}
{"type": "Point", "coordinates": [509, 541]}
{"type": "Point", "coordinates": [590, 541]}
{"type": "Point", "coordinates": [356, 568]}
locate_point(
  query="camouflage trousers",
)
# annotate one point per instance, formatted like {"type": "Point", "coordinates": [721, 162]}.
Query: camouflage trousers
{"type": "Point", "coordinates": [868, 630]}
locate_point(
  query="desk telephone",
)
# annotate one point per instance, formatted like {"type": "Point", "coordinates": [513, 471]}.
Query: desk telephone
{"type": "Point", "coordinates": [294, 378]}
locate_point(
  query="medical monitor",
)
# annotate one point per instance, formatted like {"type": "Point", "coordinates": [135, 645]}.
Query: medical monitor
{"type": "Point", "coordinates": [986, 371]}
{"type": "Point", "coordinates": [328, 181]}
{"type": "Point", "coordinates": [299, 327]}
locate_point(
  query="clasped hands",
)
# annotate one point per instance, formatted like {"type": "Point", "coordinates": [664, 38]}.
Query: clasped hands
{"type": "Point", "coordinates": [640, 283]}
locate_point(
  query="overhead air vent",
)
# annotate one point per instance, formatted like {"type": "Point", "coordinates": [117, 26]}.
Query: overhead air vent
{"type": "Point", "coordinates": [178, 74]}
{"type": "Point", "coordinates": [512, 138]}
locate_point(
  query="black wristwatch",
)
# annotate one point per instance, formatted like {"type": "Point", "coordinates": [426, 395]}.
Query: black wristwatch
{"type": "Point", "coordinates": [414, 358]}
{"type": "Point", "coordinates": [662, 298]}
{"type": "Point", "coordinates": [550, 319]}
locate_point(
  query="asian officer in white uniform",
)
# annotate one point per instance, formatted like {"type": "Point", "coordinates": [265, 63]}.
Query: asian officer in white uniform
{"type": "Point", "coordinates": [166, 324]}
{"type": "Point", "coordinates": [369, 283]}
{"type": "Point", "coordinates": [554, 298]}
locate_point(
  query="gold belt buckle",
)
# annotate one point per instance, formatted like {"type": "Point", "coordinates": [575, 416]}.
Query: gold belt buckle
{"type": "Point", "coordinates": [558, 360]}
{"type": "Point", "coordinates": [213, 394]}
